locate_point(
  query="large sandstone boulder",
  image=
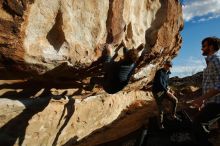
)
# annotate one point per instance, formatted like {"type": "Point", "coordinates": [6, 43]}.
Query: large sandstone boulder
{"type": "Point", "coordinates": [49, 49]}
{"type": "Point", "coordinates": [37, 36]}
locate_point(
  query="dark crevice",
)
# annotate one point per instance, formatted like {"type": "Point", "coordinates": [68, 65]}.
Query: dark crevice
{"type": "Point", "coordinates": [7, 8]}
{"type": "Point", "coordinates": [8, 27]}
{"type": "Point", "coordinates": [13, 7]}
{"type": "Point", "coordinates": [115, 21]}
{"type": "Point", "coordinates": [129, 32]}
{"type": "Point", "coordinates": [24, 4]}
{"type": "Point", "coordinates": [4, 60]}
{"type": "Point", "coordinates": [109, 38]}
{"type": "Point", "coordinates": [56, 35]}
{"type": "Point", "coordinates": [4, 45]}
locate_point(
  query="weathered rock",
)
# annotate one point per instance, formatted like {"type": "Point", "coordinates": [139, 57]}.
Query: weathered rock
{"type": "Point", "coordinates": [60, 41]}
{"type": "Point", "coordinates": [37, 36]}
{"type": "Point", "coordinates": [47, 121]}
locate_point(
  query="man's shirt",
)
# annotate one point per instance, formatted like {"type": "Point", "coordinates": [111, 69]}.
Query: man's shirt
{"type": "Point", "coordinates": [117, 74]}
{"type": "Point", "coordinates": [211, 77]}
{"type": "Point", "coordinates": [160, 82]}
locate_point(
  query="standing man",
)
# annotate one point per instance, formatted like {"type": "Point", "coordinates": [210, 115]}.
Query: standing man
{"type": "Point", "coordinates": [210, 110]}
{"type": "Point", "coordinates": [161, 91]}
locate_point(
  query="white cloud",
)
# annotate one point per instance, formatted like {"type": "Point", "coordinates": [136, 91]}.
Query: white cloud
{"type": "Point", "coordinates": [189, 67]}
{"type": "Point", "coordinates": [208, 18]}
{"type": "Point", "coordinates": [205, 9]}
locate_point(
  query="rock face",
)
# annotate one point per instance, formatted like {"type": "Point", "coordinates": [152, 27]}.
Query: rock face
{"type": "Point", "coordinates": [38, 36]}
{"type": "Point", "coordinates": [48, 121]}
{"type": "Point", "coordinates": [60, 41]}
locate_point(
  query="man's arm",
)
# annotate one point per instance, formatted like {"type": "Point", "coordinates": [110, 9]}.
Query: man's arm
{"type": "Point", "coordinates": [212, 92]}
{"type": "Point", "coordinates": [199, 101]}
{"type": "Point", "coordinates": [108, 53]}
{"type": "Point", "coordinates": [140, 47]}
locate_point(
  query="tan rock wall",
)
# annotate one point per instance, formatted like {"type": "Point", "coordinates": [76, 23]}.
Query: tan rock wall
{"type": "Point", "coordinates": [56, 31]}
{"type": "Point", "coordinates": [49, 121]}
{"type": "Point", "coordinates": [82, 26]}
{"type": "Point", "coordinates": [37, 36]}
{"type": "Point", "coordinates": [43, 35]}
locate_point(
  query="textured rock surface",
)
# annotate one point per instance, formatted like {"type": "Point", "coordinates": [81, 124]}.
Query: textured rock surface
{"type": "Point", "coordinates": [38, 36]}
{"type": "Point", "coordinates": [47, 121]}
{"type": "Point", "coordinates": [59, 41]}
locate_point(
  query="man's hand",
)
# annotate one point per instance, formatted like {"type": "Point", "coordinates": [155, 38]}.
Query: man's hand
{"type": "Point", "coordinates": [170, 90]}
{"type": "Point", "coordinates": [140, 47]}
{"type": "Point", "coordinates": [123, 43]}
{"type": "Point", "coordinates": [170, 94]}
{"type": "Point", "coordinates": [108, 49]}
{"type": "Point", "coordinates": [197, 103]}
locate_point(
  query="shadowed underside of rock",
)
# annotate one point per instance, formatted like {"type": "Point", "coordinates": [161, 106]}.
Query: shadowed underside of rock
{"type": "Point", "coordinates": [52, 48]}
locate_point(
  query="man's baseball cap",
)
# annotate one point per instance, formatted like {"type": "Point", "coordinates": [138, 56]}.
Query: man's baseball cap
{"type": "Point", "coordinates": [169, 63]}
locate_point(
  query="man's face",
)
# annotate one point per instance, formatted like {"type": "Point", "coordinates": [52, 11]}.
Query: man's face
{"type": "Point", "coordinates": [206, 49]}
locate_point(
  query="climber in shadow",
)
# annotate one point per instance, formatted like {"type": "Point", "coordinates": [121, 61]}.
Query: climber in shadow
{"type": "Point", "coordinates": [116, 74]}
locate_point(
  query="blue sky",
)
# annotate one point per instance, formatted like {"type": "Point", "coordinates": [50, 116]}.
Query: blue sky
{"type": "Point", "coordinates": [201, 19]}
